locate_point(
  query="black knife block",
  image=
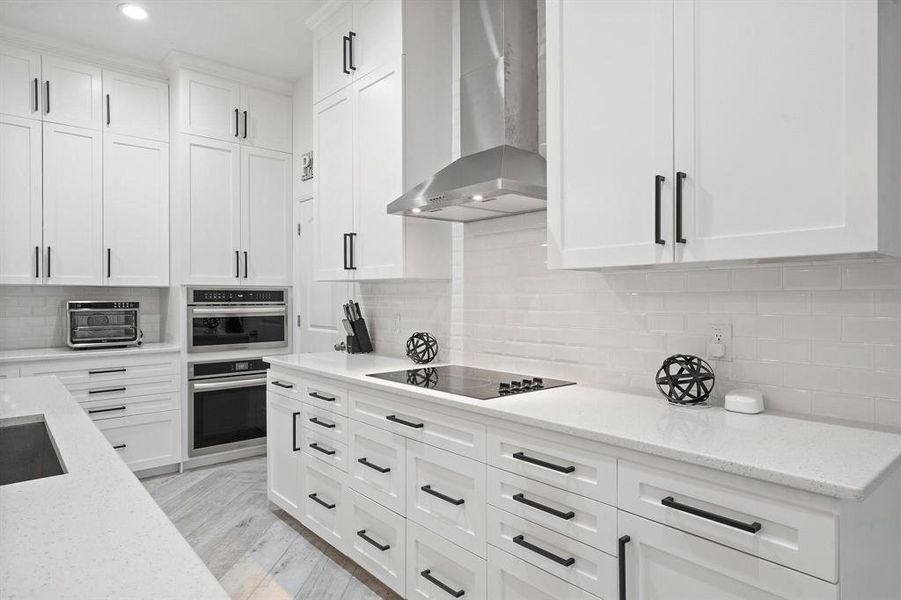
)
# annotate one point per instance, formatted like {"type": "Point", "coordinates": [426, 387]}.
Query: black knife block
{"type": "Point", "coordinates": [361, 342]}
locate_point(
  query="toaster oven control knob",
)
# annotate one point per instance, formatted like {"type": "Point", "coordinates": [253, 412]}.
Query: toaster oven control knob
{"type": "Point", "coordinates": [538, 383]}
{"type": "Point", "coordinates": [516, 386]}
{"type": "Point", "coordinates": [503, 388]}
{"type": "Point", "coordinates": [526, 384]}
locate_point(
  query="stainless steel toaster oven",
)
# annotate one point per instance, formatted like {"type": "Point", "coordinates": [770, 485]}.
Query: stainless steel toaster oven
{"type": "Point", "coordinates": [102, 324]}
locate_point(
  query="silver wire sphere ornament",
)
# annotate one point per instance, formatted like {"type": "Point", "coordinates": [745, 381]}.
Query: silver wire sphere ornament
{"type": "Point", "coordinates": [422, 347]}
{"type": "Point", "coordinates": [685, 379]}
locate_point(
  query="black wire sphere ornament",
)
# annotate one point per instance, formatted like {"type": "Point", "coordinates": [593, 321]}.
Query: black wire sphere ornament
{"type": "Point", "coordinates": [685, 379]}
{"type": "Point", "coordinates": [422, 348]}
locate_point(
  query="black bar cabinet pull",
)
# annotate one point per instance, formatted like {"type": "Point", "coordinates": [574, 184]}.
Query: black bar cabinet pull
{"type": "Point", "coordinates": [322, 423]}
{"type": "Point", "coordinates": [541, 463]}
{"type": "Point", "coordinates": [669, 502]}
{"type": "Point", "coordinates": [107, 110]}
{"type": "Point", "coordinates": [350, 42]}
{"type": "Point", "coordinates": [47, 93]}
{"type": "Point", "coordinates": [319, 396]}
{"type": "Point", "coordinates": [344, 43]}
{"type": "Point", "coordinates": [315, 498]}
{"type": "Point", "coordinates": [245, 264]}
{"type": "Point", "coordinates": [352, 236]}
{"type": "Point", "coordinates": [319, 448]}
{"type": "Point", "coordinates": [287, 386]}
{"type": "Point", "coordinates": [237, 264]}
{"type": "Point", "coordinates": [37, 261]}
{"type": "Point", "coordinates": [294, 431]}
{"type": "Point", "coordinates": [455, 501]}
{"type": "Point", "coordinates": [94, 411]}
{"type": "Point", "coordinates": [680, 177]}
{"type": "Point", "coordinates": [394, 419]}
{"type": "Point", "coordinates": [622, 566]}
{"type": "Point", "coordinates": [658, 183]}
{"type": "Point", "coordinates": [48, 262]}
{"type": "Point", "coordinates": [36, 93]}
{"type": "Point", "coordinates": [551, 511]}
{"type": "Point", "coordinates": [119, 447]}
{"type": "Point", "coordinates": [237, 113]}
{"type": "Point", "coordinates": [566, 562]}
{"type": "Point", "coordinates": [382, 547]}
{"type": "Point", "coordinates": [346, 267]}
{"type": "Point", "coordinates": [372, 466]}
{"type": "Point", "coordinates": [104, 371]}
{"type": "Point", "coordinates": [427, 575]}
{"type": "Point", "coordinates": [109, 260]}
{"type": "Point", "coordinates": [107, 390]}
{"type": "Point", "coordinates": [245, 124]}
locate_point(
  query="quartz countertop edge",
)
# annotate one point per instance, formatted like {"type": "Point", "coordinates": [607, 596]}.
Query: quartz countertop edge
{"type": "Point", "coordinates": [94, 531]}
{"type": "Point", "coordinates": [64, 352]}
{"type": "Point", "coordinates": [835, 460]}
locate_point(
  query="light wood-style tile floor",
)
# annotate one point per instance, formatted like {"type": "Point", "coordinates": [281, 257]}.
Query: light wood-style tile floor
{"type": "Point", "coordinates": [256, 550]}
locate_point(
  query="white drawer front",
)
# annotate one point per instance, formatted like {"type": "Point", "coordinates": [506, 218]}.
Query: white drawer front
{"type": "Point", "coordinates": [377, 465]}
{"type": "Point", "coordinates": [572, 561]}
{"type": "Point", "coordinates": [111, 407]}
{"type": "Point", "coordinates": [323, 503]}
{"type": "Point", "coordinates": [325, 448]}
{"type": "Point", "coordinates": [132, 387]}
{"type": "Point", "coordinates": [439, 570]}
{"type": "Point", "coordinates": [510, 578]}
{"type": "Point", "coordinates": [83, 374]}
{"type": "Point", "coordinates": [446, 493]}
{"type": "Point", "coordinates": [575, 516]}
{"type": "Point", "coordinates": [573, 469]}
{"type": "Point", "coordinates": [466, 438]}
{"type": "Point", "coordinates": [324, 395]}
{"type": "Point", "coordinates": [281, 382]}
{"type": "Point", "coordinates": [145, 441]}
{"type": "Point", "coordinates": [796, 536]}
{"type": "Point", "coordinates": [326, 423]}
{"type": "Point", "coordinates": [376, 539]}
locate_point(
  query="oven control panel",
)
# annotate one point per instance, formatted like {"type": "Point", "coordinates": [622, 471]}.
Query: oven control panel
{"type": "Point", "coordinates": [237, 296]}
{"type": "Point", "coordinates": [227, 367]}
{"type": "Point", "coordinates": [95, 305]}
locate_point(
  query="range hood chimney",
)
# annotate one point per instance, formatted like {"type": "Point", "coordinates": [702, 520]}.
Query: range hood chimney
{"type": "Point", "coordinates": [501, 172]}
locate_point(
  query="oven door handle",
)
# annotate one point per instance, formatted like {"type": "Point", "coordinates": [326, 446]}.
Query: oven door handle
{"type": "Point", "coordinates": [231, 383]}
{"type": "Point", "coordinates": [255, 311]}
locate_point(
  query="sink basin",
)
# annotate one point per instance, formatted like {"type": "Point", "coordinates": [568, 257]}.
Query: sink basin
{"type": "Point", "coordinates": [27, 450]}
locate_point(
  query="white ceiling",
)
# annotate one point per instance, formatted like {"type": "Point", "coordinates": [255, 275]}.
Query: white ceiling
{"type": "Point", "coordinates": [264, 36]}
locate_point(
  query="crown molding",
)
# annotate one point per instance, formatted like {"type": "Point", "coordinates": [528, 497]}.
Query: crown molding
{"type": "Point", "coordinates": [324, 12]}
{"type": "Point", "coordinates": [176, 60]}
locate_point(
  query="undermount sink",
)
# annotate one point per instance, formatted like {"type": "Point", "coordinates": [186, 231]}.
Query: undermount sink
{"type": "Point", "coordinates": [27, 450]}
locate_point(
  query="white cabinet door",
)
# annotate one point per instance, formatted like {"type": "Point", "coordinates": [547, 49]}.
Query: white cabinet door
{"type": "Point", "coordinates": [333, 143]}
{"type": "Point", "coordinates": [324, 507]}
{"type": "Point", "coordinates": [145, 441]}
{"type": "Point", "coordinates": [20, 82]}
{"type": "Point", "coordinates": [20, 200]}
{"type": "Point", "coordinates": [212, 222]}
{"type": "Point", "coordinates": [266, 216]}
{"type": "Point", "coordinates": [438, 569]}
{"type": "Point", "coordinates": [666, 564]}
{"type": "Point", "coordinates": [283, 439]}
{"type": "Point", "coordinates": [136, 106]}
{"type": "Point", "coordinates": [266, 119]}
{"type": "Point", "coordinates": [778, 145]}
{"type": "Point", "coordinates": [510, 578]}
{"type": "Point", "coordinates": [378, 172]}
{"type": "Point", "coordinates": [378, 465]}
{"type": "Point", "coordinates": [331, 68]}
{"type": "Point", "coordinates": [209, 106]}
{"type": "Point", "coordinates": [72, 93]}
{"type": "Point", "coordinates": [610, 132]}
{"type": "Point", "coordinates": [73, 205]}
{"type": "Point", "coordinates": [135, 211]}
{"type": "Point", "coordinates": [377, 35]}
{"type": "Point", "coordinates": [376, 539]}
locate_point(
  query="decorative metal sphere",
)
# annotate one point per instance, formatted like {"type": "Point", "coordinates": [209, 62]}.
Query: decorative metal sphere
{"type": "Point", "coordinates": [685, 379]}
{"type": "Point", "coordinates": [422, 347]}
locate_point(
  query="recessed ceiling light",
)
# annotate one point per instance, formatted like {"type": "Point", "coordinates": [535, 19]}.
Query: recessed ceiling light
{"type": "Point", "coordinates": [133, 11]}
{"type": "Point", "coordinates": [478, 198]}
{"type": "Point", "coordinates": [416, 210]}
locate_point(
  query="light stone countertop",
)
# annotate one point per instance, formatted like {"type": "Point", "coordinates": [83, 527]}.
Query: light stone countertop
{"type": "Point", "coordinates": [835, 460]}
{"type": "Point", "coordinates": [64, 352]}
{"type": "Point", "coordinates": [93, 532]}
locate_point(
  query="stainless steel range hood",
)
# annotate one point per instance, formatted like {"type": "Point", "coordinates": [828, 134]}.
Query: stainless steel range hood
{"type": "Point", "coordinates": [501, 172]}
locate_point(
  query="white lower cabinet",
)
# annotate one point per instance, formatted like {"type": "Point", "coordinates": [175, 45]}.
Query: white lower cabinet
{"type": "Point", "coordinates": [110, 408]}
{"type": "Point", "coordinates": [378, 465]}
{"type": "Point", "coordinates": [510, 578]}
{"type": "Point", "coordinates": [323, 500]}
{"type": "Point", "coordinates": [376, 539]}
{"type": "Point", "coordinates": [666, 564]}
{"type": "Point", "coordinates": [283, 439]}
{"type": "Point", "coordinates": [325, 449]}
{"type": "Point", "coordinates": [438, 569]}
{"type": "Point", "coordinates": [145, 441]}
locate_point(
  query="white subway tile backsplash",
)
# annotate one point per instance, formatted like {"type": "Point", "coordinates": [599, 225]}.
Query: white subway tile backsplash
{"type": "Point", "coordinates": [838, 354]}
{"type": "Point", "coordinates": [876, 330]}
{"type": "Point", "coordinates": [876, 275]}
{"type": "Point", "coordinates": [757, 279]}
{"type": "Point", "coordinates": [888, 412]}
{"type": "Point", "coordinates": [814, 328]}
{"type": "Point", "coordinates": [708, 281]}
{"type": "Point", "coordinates": [888, 303]}
{"type": "Point", "coordinates": [784, 303]}
{"type": "Point", "coordinates": [882, 384]}
{"type": "Point", "coordinates": [844, 302]}
{"type": "Point", "coordinates": [888, 357]}
{"type": "Point", "coordinates": [813, 377]}
{"type": "Point", "coordinates": [820, 277]}
{"type": "Point", "coordinates": [843, 406]}
{"type": "Point", "coordinates": [783, 351]}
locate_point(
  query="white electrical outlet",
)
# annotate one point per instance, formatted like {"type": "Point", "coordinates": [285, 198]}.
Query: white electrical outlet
{"type": "Point", "coordinates": [719, 346]}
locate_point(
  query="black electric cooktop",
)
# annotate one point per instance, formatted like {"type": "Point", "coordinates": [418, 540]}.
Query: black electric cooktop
{"type": "Point", "coordinates": [480, 384]}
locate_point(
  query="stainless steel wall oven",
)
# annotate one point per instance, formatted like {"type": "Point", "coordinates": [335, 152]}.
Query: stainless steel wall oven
{"type": "Point", "coordinates": [237, 318]}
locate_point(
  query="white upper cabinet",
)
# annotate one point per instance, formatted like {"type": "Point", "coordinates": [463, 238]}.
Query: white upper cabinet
{"type": "Point", "coordinates": [377, 36]}
{"type": "Point", "coordinates": [266, 213]}
{"type": "Point", "coordinates": [73, 205]}
{"type": "Point", "coordinates": [135, 211]}
{"type": "Point", "coordinates": [331, 47]}
{"type": "Point", "coordinates": [20, 83]}
{"type": "Point", "coordinates": [135, 106]}
{"type": "Point", "coordinates": [772, 124]}
{"type": "Point", "coordinates": [20, 200]}
{"type": "Point", "coordinates": [266, 119]}
{"type": "Point", "coordinates": [72, 93]}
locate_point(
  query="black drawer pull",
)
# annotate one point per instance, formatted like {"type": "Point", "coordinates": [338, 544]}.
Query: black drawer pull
{"type": "Point", "coordinates": [427, 574]}
{"type": "Point", "coordinates": [382, 547]}
{"type": "Point", "coordinates": [322, 423]}
{"type": "Point", "coordinates": [319, 448]}
{"type": "Point", "coordinates": [103, 371]}
{"type": "Point", "coordinates": [94, 411]}
{"type": "Point", "coordinates": [107, 390]}
{"type": "Point", "coordinates": [394, 419]}
{"type": "Point", "coordinates": [319, 396]}
{"type": "Point", "coordinates": [374, 467]}
{"type": "Point", "coordinates": [551, 511]}
{"type": "Point", "coordinates": [566, 562]}
{"type": "Point", "coordinates": [119, 447]}
{"type": "Point", "coordinates": [315, 498]}
{"type": "Point", "coordinates": [669, 502]}
{"type": "Point", "coordinates": [287, 386]}
{"type": "Point", "coordinates": [542, 463]}
{"type": "Point", "coordinates": [455, 501]}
